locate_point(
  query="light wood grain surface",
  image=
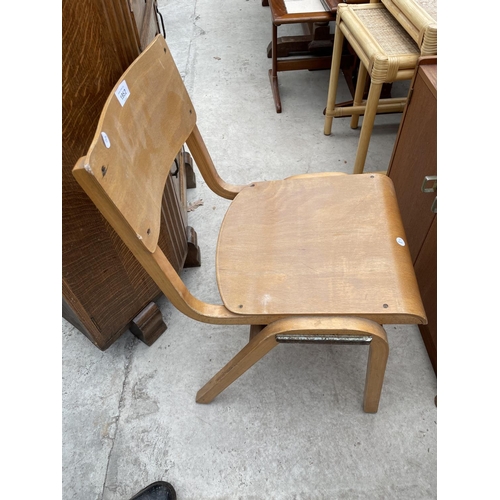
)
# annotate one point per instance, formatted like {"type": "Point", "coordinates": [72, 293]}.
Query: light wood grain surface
{"type": "Point", "coordinates": [312, 253]}
{"type": "Point", "coordinates": [145, 134]}
{"type": "Point", "coordinates": [319, 245]}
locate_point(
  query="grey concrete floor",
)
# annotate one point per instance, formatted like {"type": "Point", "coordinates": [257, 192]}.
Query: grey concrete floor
{"type": "Point", "coordinates": [292, 427]}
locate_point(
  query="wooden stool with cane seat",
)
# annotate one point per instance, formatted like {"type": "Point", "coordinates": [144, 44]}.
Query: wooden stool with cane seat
{"type": "Point", "coordinates": [389, 38]}
{"type": "Point", "coordinates": [298, 260]}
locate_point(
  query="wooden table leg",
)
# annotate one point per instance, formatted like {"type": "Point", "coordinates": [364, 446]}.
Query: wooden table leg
{"type": "Point", "coordinates": [273, 73]}
{"type": "Point", "coordinates": [316, 41]}
{"type": "Point", "coordinates": [287, 45]}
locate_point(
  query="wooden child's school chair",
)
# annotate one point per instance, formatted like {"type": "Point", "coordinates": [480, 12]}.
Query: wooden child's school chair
{"type": "Point", "coordinates": [299, 260]}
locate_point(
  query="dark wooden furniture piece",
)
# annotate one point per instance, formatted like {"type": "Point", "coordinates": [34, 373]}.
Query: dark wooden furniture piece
{"type": "Point", "coordinates": [104, 290]}
{"type": "Point", "coordinates": [313, 43]}
{"type": "Point", "coordinates": [413, 159]}
{"type": "Point", "coordinates": [314, 47]}
{"type": "Point", "coordinates": [309, 233]}
{"type": "Point", "coordinates": [317, 39]}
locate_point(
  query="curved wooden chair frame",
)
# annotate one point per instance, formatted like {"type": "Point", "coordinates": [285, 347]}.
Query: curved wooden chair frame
{"type": "Point", "coordinates": [145, 122]}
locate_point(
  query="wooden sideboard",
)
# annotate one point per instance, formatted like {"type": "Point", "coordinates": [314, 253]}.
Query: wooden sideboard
{"type": "Point", "coordinates": [413, 159]}
{"type": "Point", "coordinates": [104, 290]}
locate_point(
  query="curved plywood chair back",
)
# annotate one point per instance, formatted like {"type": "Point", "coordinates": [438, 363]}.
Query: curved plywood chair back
{"type": "Point", "coordinates": [144, 124]}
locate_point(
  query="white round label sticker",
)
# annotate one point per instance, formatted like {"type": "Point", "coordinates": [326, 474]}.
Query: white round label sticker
{"type": "Point", "coordinates": [401, 241]}
{"type": "Point", "coordinates": [105, 139]}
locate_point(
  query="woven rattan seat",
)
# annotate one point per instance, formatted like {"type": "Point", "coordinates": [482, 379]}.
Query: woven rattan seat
{"type": "Point", "coordinates": [388, 38]}
{"type": "Point", "coordinates": [387, 32]}
{"type": "Point", "coordinates": [429, 6]}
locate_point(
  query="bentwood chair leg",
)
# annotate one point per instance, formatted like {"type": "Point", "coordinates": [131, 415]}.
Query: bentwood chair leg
{"type": "Point", "coordinates": [312, 329]}
{"type": "Point", "coordinates": [257, 347]}
{"type": "Point", "coordinates": [338, 42]}
{"type": "Point", "coordinates": [375, 371]}
{"type": "Point", "coordinates": [367, 126]}
{"type": "Point", "coordinates": [358, 94]}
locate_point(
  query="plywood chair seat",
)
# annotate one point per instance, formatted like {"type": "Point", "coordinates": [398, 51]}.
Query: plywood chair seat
{"type": "Point", "coordinates": [308, 246]}
{"type": "Point", "coordinates": [298, 260]}
{"type": "Point", "coordinates": [389, 38]}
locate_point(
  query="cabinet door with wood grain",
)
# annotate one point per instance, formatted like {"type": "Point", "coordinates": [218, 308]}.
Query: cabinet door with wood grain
{"type": "Point", "coordinates": [414, 159]}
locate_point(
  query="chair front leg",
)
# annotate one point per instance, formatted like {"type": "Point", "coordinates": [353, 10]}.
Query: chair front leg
{"type": "Point", "coordinates": [259, 345]}
{"type": "Point", "coordinates": [375, 372]}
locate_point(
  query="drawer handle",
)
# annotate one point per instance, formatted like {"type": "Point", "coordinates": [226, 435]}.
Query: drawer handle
{"type": "Point", "coordinates": [427, 179]}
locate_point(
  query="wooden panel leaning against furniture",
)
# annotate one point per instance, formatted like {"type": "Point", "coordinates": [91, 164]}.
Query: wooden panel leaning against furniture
{"type": "Point", "coordinates": [413, 159]}
{"type": "Point", "coordinates": [343, 304]}
{"type": "Point", "coordinates": [103, 287]}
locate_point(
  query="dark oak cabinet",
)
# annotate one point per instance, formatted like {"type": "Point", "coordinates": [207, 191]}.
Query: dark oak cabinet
{"type": "Point", "coordinates": [104, 290]}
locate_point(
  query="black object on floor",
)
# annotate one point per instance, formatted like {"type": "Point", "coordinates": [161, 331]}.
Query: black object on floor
{"type": "Point", "coordinates": [160, 490]}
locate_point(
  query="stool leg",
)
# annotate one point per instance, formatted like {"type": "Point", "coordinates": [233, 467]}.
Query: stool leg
{"type": "Point", "coordinates": [338, 42]}
{"type": "Point", "coordinates": [377, 361]}
{"type": "Point", "coordinates": [367, 126]}
{"type": "Point", "coordinates": [358, 95]}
